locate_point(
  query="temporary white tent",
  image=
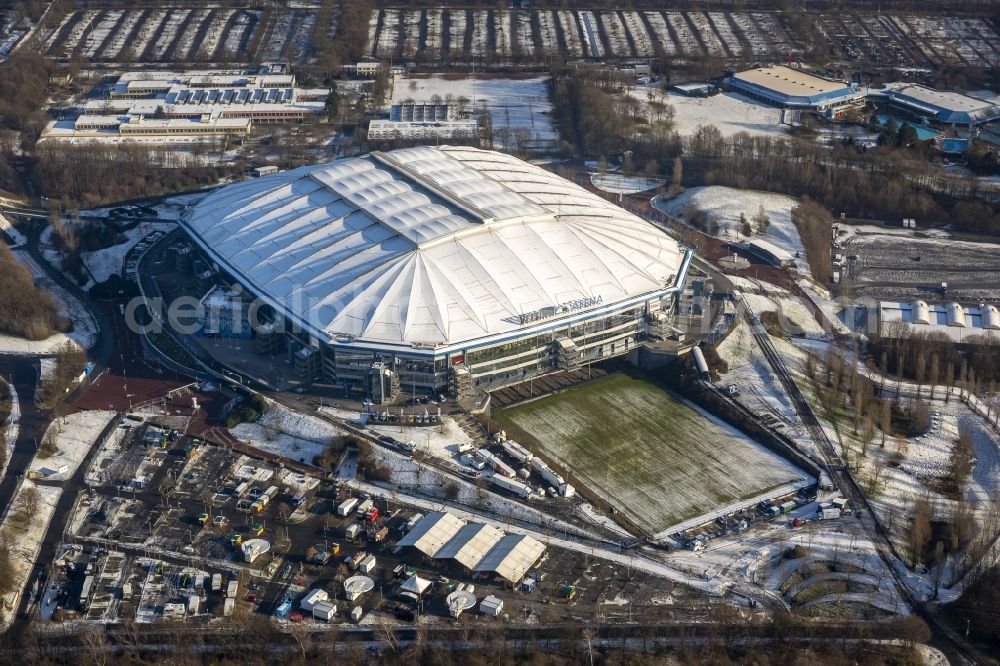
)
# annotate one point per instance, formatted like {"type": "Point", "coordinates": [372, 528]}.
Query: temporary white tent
{"type": "Point", "coordinates": [414, 587]}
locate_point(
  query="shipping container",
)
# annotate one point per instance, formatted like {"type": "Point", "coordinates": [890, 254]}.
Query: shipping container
{"type": "Point", "coordinates": [788, 506]}
{"type": "Point", "coordinates": [347, 506]}
{"type": "Point", "coordinates": [216, 582]}
{"type": "Point", "coordinates": [232, 589]}
{"type": "Point", "coordinates": [88, 583]}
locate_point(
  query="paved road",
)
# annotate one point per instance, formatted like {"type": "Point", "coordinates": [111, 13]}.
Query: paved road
{"type": "Point", "coordinates": [22, 373]}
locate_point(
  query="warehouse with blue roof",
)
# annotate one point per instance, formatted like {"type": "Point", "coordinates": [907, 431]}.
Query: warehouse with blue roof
{"type": "Point", "coordinates": [791, 88]}
{"type": "Point", "coordinates": [936, 106]}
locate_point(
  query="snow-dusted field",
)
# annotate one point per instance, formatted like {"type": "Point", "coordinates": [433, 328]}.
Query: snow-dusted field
{"type": "Point", "coordinates": [73, 436]}
{"type": "Point", "coordinates": [513, 103]}
{"type": "Point", "coordinates": [235, 35]}
{"type": "Point", "coordinates": [101, 31]}
{"type": "Point", "coordinates": [765, 297]}
{"type": "Point", "coordinates": [148, 32]}
{"type": "Point", "coordinates": [480, 31]}
{"type": "Point", "coordinates": [129, 20]}
{"type": "Point", "coordinates": [289, 434]}
{"type": "Point", "coordinates": [25, 539]}
{"type": "Point", "coordinates": [78, 33]}
{"type": "Point", "coordinates": [654, 457]}
{"type": "Point", "coordinates": [726, 204]}
{"type": "Point", "coordinates": [547, 32]}
{"type": "Point", "coordinates": [661, 32]}
{"type": "Point", "coordinates": [186, 47]}
{"type": "Point", "coordinates": [432, 44]}
{"type": "Point", "coordinates": [411, 32]}
{"type": "Point", "coordinates": [11, 427]}
{"type": "Point", "coordinates": [388, 36]}
{"type": "Point", "coordinates": [689, 45]}
{"type": "Point", "coordinates": [615, 31]}
{"type": "Point", "coordinates": [456, 31]}
{"type": "Point", "coordinates": [166, 34]}
{"type": "Point", "coordinates": [640, 35]}
{"type": "Point", "coordinates": [759, 45]}
{"type": "Point", "coordinates": [502, 34]}
{"type": "Point", "coordinates": [726, 34]}
{"type": "Point", "coordinates": [704, 28]}
{"type": "Point", "coordinates": [9, 229]}
{"type": "Point", "coordinates": [525, 37]}
{"type": "Point", "coordinates": [571, 33]}
{"type": "Point", "coordinates": [729, 112]}
{"type": "Point", "coordinates": [110, 261]}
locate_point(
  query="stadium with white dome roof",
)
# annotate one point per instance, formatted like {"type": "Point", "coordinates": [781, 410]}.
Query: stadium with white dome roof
{"type": "Point", "coordinates": [439, 268]}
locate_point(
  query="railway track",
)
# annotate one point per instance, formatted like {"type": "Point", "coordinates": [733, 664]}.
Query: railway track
{"type": "Point", "coordinates": [848, 487]}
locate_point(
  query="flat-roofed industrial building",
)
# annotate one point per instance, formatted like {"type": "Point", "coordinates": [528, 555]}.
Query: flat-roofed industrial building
{"type": "Point", "coordinates": [791, 88]}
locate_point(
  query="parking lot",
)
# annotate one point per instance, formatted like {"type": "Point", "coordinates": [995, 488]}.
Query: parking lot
{"type": "Point", "coordinates": [168, 512]}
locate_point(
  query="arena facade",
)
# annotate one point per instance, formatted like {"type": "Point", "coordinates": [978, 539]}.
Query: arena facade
{"type": "Point", "coordinates": [438, 269]}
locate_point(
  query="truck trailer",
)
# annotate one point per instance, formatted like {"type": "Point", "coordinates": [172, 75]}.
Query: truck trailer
{"type": "Point", "coordinates": [518, 488]}
{"type": "Point", "coordinates": [347, 506]}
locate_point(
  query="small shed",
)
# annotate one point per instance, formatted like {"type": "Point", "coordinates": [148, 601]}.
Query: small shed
{"type": "Point", "coordinates": [368, 564]}
{"type": "Point", "coordinates": [312, 598]}
{"type": "Point", "coordinates": [491, 606]}
{"type": "Point", "coordinates": [695, 89]}
{"type": "Point", "coordinates": [264, 170]}
{"type": "Point", "coordinates": [324, 610]}
{"type": "Point", "coordinates": [357, 613]}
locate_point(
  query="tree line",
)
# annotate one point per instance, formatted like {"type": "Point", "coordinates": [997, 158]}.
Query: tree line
{"type": "Point", "coordinates": [880, 186]}
{"type": "Point", "coordinates": [25, 310]}
{"type": "Point", "coordinates": [90, 175]}
{"type": "Point", "coordinates": [596, 117]}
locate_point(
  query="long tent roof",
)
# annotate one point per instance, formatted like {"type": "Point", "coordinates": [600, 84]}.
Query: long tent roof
{"type": "Point", "coordinates": [429, 246]}
{"type": "Point", "coordinates": [512, 556]}
{"type": "Point", "coordinates": [470, 544]}
{"type": "Point", "coordinates": [432, 532]}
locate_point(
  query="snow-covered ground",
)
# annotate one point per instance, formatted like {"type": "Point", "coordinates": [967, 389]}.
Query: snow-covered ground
{"type": "Point", "coordinates": [571, 33]}
{"type": "Point", "coordinates": [763, 296]}
{"type": "Point", "coordinates": [512, 103]}
{"type": "Point", "coordinates": [617, 183]}
{"type": "Point", "coordinates": [109, 261]}
{"type": "Point", "coordinates": [15, 235]}
{"type": "Point", "coordinates": [25, 539]}
{"type": "Point", "coordinates": [73, 436]}
{"type": "Point", "coordinates": [729, 112]}
{"type": "Point", "coordinates": [441, 440]}
{"type": "Point", "coordinates": [289, 434]}
{"type": "Point", "coordinates": [727, 204]}
{"type": "Point", "coordinates": [12, 426]}
{"type": "Point", "coordinates": [84, 327]}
